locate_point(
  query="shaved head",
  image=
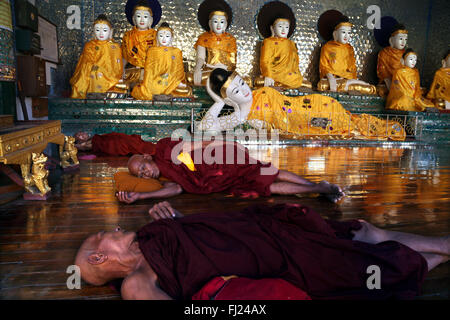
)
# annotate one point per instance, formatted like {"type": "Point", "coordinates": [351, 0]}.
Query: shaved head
{"type": "Point", "coordinates": [92, 274]}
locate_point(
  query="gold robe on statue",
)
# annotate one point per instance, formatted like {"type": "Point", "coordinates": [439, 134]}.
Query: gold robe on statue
{"type": "Point", "coordinates": [389, 60]}
{"type": "Point", "coordinates": [164, 71]}
{"type": "Point", "coordinates": [440, 88]}
{"type": "Point", "coordinates": [279, 61]}
{"type": "Point", "coordinates": [405, 93]}
{"type": "Point", "coordinates": [98, 70]}
{"type": "Point", "coordinates": [219, 49]}
{"type": "Point", "coordinates": [319, 116]}
{"type": "Point", "coordinates": [135, 45]}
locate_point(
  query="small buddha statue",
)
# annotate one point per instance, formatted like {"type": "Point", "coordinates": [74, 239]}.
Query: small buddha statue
{"type": "Point", "coordinates": [338, 63]}
{"type": "Point", "coordinates": [279, 61]}
{"type": "Point", "coordinates": [143, 15]}
{"type": "Point", "coordinates": [215, 48]}
{"type": "Point", "coordinates": [164, 69]}
{"type": "Point", "coordinates": [405, 93]}
{"type": "Point", "coordinates": [99, 69]}
{"type": "Point", "coordinates": [389, 59]}
{"type": "Point", "coordinates": [440, 88]}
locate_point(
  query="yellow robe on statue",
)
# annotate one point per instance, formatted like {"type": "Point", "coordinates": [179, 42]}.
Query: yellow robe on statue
{"type": "Point", "coordinates": [164, 71]}
{"type": "Point", "coordinates": [135, 45]}
{"type": "Point", "coordinates": [440, 88]}
{"type": "Point", "coordinates": [405, 93]}
{"type": "Point", "coordinates": [98, 70]}
{"type": "Point", "coordinates": [389, 60]}
{"type": "Point", "coordinates": [279, 61]}
{"type": "Point", "coordinates": [319, 116]}
{"type": "Point", "coordinates": [219, 48]}
{"type": "Point", "coordinates": [338, 59]}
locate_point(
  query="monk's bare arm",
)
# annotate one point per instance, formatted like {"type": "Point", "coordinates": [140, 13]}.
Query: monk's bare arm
{"type": "Point", "coordinates": [141, 286]}
{"type": "Point", "coordinates": [170, 189]}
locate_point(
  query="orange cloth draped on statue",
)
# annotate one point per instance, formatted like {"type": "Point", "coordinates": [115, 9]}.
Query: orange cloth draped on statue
{"type": "Point", "coordinates": [220, 48]}
{"type": "Point", "coordinates": [389, 60]}
{"type": "Point", "coordinates": [120, 144]}
{"type": "Point", "coordinates": [98, 70]}
{"type": "Point", "coordinates": [279, 61]}
{"type": "Point", "coordinates": [405, 93]}
{"type": "Point", "coordinates": [164, 71]}
{"type": "Point", "coordinates": [135, 45]}
{"type": "Point", "coordinates": [319, 115]}
{"type": "Point", "coordinates": [338, 59]}
{"type": "Point", "coordinates": [440, 88]}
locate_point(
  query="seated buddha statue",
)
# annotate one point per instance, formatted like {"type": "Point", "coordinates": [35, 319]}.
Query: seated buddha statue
{"type": "Point", "coordinates": [215, 48]}
{"type": "Point", "coordinates": [405, 93]}
{"type": "Point", "coordinates": [164, 69]}
{"type": "Point", "coordinates": [279, 61]}
{"type": "Point", "coordinates": [389, 58]}
{"type": "Point", "coordinates": [337, 66]}
{"type": "Point", "coordinates": [143, 15]}
{"type": "Point", "coordinates": [100, 66]}
{"type": "Point", "coordinates": [440, 88]}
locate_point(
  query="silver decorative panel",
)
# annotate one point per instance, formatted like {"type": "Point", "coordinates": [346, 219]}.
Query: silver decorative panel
{"type": "Point", "coordinates": [427, 22]}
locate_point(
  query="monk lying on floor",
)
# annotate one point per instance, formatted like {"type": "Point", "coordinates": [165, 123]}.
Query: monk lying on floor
{"type": "Point", "coordinates": [232, 171]}
{"type": "Point", "coordinates": [113, 144]}
{"type": "Point", "coordinates": [173, 257]}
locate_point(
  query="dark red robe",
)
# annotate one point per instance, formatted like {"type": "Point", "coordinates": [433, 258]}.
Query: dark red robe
{"type": "Point", "coordinates": [285, 241]}
{"type": "Point", "coordinates": [120, 144]}
{"type": "Point", "coordinates": [238, 179]}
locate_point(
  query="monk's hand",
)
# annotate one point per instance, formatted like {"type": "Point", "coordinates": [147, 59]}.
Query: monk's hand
{"type": "Point", "coordinates": [127, 197]}
{"type": "Point", "coordinates": [162, 210]}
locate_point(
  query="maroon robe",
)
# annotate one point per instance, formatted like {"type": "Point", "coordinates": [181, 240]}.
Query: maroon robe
{"type": "Point", "coordinates": [238, 179]}
{"type": "Point", "coordinates": [284, 241]}
{"type": "Point", "coordinates": [120, 144]}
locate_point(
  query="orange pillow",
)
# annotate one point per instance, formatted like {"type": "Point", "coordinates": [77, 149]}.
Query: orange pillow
{"type": "Point", "coordinates": [124, 181]}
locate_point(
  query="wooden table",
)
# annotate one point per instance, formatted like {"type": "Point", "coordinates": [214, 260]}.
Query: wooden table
{"type": "Point", "coordinates": [23, 143]}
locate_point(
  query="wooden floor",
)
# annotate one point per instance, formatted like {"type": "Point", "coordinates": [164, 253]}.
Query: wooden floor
{"type": "Point", "coordinates": [399, 189]}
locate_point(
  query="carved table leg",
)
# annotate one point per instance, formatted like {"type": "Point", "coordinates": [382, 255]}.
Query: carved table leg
{"type": "Point", "coordinates": [35, 182]}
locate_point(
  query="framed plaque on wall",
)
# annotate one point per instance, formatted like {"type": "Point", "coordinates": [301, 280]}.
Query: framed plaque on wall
{"type": "Point", "coordinates": [49, 40]}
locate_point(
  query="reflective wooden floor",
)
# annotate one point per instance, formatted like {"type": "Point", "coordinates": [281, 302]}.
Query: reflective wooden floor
{"type": "Point", "coordinates": [399, 189]}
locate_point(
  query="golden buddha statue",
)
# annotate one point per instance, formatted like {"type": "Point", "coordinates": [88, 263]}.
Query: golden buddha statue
{"type": "Point", "coordinates": [164, 69]}
{"type": "Point", "coordinates": [389, 58]}
{"type": "Point", "coordinates": [143, 15]}
{"type": "Point", "coordinates": [100, 67]}
{"type": "Point", "coordinates": [337, 58]}
{"type": "Point", "coordinates": [440, 88]}
{"type": "Point", "coordinates": [216, 48]}
{"type": "Point", "coordinates": [279, 61]}
{"type": "Point", "coordinates": [405, 93]}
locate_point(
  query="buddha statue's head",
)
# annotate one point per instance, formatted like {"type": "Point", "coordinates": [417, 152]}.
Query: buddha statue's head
{"type": "Point", "coordinates": [399, 37]}
{"type": "Point", "coordinates": [218, 22]}
{"type": "Point", "coordinates": [102, 28]}
{"type": "Point", "coordinates": [446, 60]}
{"type": "Point", "coordinates": [165, 35]}
{"type": "Point", "coordinates": [280, 28]}
{"type": "Point", "coordinates": [230, 87]}
{"type": "Point", "coordinates": [342, 30]}
{"type": "Point", "coordinates": [142, 16]}
{"type": "Point", "coordinates": [409, 58]}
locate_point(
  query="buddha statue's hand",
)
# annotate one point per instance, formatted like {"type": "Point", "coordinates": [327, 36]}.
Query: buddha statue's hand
{"type": "Point", "coordinates": [198, 75]}
{"type": "Point", "coordinates": [182, 85]}
{"type": "Point", "coordinates": [269, 82]}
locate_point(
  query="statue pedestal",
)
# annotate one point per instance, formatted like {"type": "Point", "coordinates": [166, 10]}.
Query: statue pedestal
{"type": "Point", "coordinates": [37, 197]}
